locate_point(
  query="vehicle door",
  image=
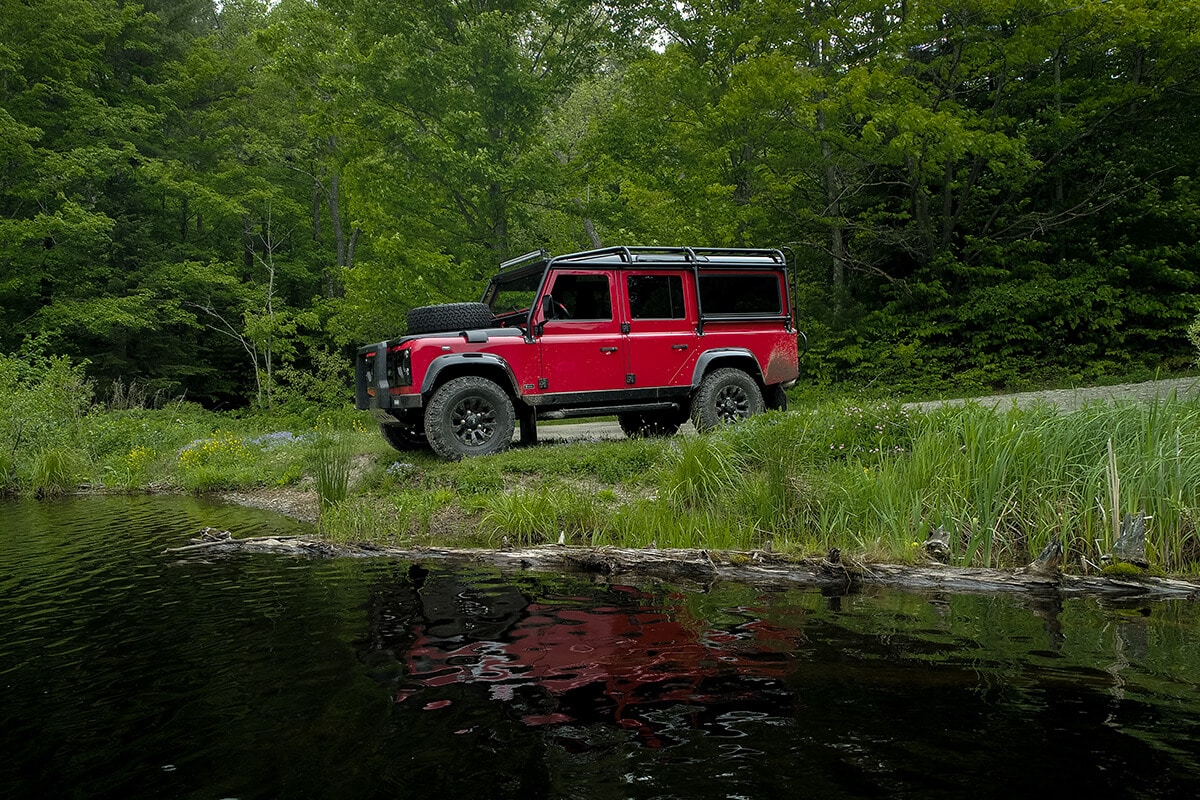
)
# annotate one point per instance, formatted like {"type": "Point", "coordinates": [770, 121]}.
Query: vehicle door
{"type": "Point", "coordinates": [662, 338]}
{"type": "Point", "coordinates": [582, 349]}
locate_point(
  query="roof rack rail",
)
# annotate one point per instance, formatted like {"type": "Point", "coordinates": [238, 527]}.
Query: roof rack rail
{"type": "Point", "coordinates": [536, 255]}
{"type": "Point", "coordinates": [689, 255]}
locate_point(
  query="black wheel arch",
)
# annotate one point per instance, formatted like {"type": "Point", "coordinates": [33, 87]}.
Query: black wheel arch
{"type": "Point", "coordinates": [483, 365]}
{"type": "Point", "coordinates": [735, 357]}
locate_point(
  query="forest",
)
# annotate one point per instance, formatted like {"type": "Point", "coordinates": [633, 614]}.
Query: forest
{"type": "Point", "coordinates": [220, 199]}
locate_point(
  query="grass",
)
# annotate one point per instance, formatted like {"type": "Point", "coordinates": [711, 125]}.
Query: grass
{"type": "Point", "coordinates": [869, 479]}
{"type": "Point", "coordinates": [872, 479]}
{"type": "Point", "coordinates": [331, 468]}
{"type": "Point", "coordinates": [55, 471]}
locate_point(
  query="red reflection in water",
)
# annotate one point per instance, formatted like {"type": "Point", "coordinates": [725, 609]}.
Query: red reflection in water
{"type": "Point", "coordinates": [632, 655]}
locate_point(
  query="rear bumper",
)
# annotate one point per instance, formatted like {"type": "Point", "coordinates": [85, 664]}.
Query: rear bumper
{"type": "Point", "coordinates": [382, 379]}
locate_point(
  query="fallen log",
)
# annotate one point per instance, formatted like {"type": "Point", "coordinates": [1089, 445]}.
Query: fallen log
{"type": "Point", "coordinates": [705, 567]}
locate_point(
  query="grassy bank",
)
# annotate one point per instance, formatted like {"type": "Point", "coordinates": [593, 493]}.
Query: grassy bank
{"type": "Point", "coordinates": [871, 479]}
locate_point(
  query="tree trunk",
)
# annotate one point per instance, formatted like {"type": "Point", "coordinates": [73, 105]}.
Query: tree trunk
{"type": "Point", "coordinates": [499, 222]}
{"type": "Point", "coordinates": [590, 229]}
{"type": "Point", "coordinates": [833, 213]}
{"type": "Point", "coordinates": [335, 214]}
{"type": "Point", "coordinates": [704, 567]}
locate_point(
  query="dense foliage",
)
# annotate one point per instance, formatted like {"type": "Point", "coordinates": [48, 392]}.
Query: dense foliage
{"type": "Point", "coordinates": [218, 200]}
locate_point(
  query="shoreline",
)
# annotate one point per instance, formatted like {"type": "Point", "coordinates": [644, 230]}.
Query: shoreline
{"type": "Point", "coordinates": [702, 568]}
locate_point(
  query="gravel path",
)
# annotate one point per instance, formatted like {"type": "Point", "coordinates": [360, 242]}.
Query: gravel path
{"type": "Point", "coordinates": [1068, 399]}
{"type": "Point", "coordinates": [1072, 399]}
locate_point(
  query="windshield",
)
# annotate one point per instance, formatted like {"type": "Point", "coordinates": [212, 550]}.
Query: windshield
{"type": "Point", "coordinates": [516, 293]}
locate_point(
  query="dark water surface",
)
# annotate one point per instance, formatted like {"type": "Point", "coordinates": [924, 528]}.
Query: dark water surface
{"type": "Point", "coordinates": [128, 673]}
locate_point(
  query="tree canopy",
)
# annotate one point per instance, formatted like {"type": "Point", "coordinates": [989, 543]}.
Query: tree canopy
{"type": "Point", "coordinates": [223, 199]}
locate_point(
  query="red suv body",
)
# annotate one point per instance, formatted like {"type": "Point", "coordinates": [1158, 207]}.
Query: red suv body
{"type": "Point", "coordinates": [653, 335]}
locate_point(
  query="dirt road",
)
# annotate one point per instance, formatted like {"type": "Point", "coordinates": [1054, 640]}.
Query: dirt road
{"type": "Point", "coordinates": [1068, 399]}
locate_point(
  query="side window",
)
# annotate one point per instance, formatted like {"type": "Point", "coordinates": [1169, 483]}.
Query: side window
{"type": "Point", "coordinates": [582, 297]}
{"type": "Point", "coordinates": [656, 296]}
{"type": "Point", "coordinates": [740, 294]}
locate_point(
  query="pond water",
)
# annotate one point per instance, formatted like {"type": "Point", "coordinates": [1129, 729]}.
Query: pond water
{"type": "Point", "coordinates": [125, 672]}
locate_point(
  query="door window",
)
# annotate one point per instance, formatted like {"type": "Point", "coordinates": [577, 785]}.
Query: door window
{"type": "Point", "coordinates": [655, 297]}
{"type": "Point", "coordinates": [582, 297]}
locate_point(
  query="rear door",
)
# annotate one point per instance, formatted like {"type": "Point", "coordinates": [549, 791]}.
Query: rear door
{"type": "Point", "coordinates": [662, 340]}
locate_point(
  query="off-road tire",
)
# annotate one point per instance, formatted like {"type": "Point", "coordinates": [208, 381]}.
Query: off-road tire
{"type": "Point", "coordinates": [776, 398]}
{"type": "Point", "coordinates": [405, 436]}
{"type": "Point", "coordinates": [449, 317]}
{"type": "Point", "coordinates": [650, 424]}
{"type": "Point", "coordinates": [726, 396]}
{"type": "Point", "coordinates": [469, 416]}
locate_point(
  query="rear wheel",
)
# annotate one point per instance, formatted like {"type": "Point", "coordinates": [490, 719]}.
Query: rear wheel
{"type": "Point", "coordinates": [405, 436]}
{"type": "Point", "coordinates": [726, 396]}
{"type": "Point", "coordinates": [776, 398]}
{"type": "Point", "coordinates": [650, 423]}
{"type": "Point", "coordinates": [469, 416]}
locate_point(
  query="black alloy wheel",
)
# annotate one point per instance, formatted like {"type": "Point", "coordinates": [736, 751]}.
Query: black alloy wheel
{"type": "Point", "coordinates": [469, 416]}
{"type": "Point", "coordinates": [726, 396]}
{"type": "Point", "coordinates": [651, 423]}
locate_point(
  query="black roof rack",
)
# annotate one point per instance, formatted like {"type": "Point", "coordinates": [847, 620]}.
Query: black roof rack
{"type": "Point", "coordinates": [674, 255]}
{"type": "Point", "coordinates": [536, 255]}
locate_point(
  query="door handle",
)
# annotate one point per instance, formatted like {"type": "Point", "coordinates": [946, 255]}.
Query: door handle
{"type": "Point", "coordinates": [608, 349]}
{"type": "Point", "coordinates": [679, 347]}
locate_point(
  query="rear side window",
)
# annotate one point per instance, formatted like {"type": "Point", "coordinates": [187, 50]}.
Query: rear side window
{"type": "Point", "coordinates": [729, 295]}
{"type": "Point", "coordinates": [656, 297]}
{"type": "Point", "coordinates": [583, 296]}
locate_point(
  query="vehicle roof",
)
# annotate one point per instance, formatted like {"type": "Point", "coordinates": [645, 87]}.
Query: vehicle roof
{"type": "Point", "coordinates": [631, 257]}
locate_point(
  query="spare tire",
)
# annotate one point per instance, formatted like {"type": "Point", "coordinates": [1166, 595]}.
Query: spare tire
{"type": "Point", "coordinates": [449, 317]}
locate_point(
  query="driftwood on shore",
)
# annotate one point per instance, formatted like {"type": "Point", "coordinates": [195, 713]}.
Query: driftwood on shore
{"type": "Point", "coordinates": [705, 567]}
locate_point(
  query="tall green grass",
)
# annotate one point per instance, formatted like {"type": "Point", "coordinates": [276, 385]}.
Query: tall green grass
{"type": "Point", "coordinates": [1004, 481]}
{"type": "Point", "coordinates": [875, 480]}
{"type": "Point", "coordinates": [55, 470]}
{"type": "Point", "coordinates": [331, 468]}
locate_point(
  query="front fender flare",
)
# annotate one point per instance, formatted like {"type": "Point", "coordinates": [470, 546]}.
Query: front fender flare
{"type": "Point", "coordinates": [474, 363]}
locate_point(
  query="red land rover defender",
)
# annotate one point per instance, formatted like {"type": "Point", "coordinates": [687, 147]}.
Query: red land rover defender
{"type": "Point", "coordinates": [653, 335]}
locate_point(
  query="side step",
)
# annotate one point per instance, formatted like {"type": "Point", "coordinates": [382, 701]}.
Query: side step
{"type": "Point", "coordinates": [602, 411]}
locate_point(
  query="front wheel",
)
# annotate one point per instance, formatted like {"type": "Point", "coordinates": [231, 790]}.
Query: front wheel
{"type": "Point", "coordinates": [725, 396]}
{"type": "Point", "coordinates": [469, 416]}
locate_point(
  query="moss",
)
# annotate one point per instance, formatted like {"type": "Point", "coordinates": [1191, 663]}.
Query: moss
{"type": "Point", "coordinates": [1123, 569]}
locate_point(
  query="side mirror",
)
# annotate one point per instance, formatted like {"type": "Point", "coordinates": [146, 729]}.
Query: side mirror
{"type": "Point", "coordinates": [548, 307]}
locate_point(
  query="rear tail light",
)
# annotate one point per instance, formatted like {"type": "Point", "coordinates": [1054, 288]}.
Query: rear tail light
{"type": "Point", "coordinates": [399, 367]}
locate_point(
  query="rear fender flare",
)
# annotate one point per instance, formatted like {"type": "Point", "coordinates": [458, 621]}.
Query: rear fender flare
{"type": "Point", "coordinates": [738, 357]}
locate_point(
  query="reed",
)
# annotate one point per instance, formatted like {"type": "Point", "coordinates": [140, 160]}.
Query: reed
{"type": "Point", "coordinates": [361, 519]}
{"type": "Point", "coordinates": [1006, 482]}
{"type": "Point", "coordinates": [55, 470]}
{"type": "Point", "coordinates": [702, 471]}
{"type": "Point", "coordinates": [331, 468]}
{"type": "Point", "coordinates": [542, 515]}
